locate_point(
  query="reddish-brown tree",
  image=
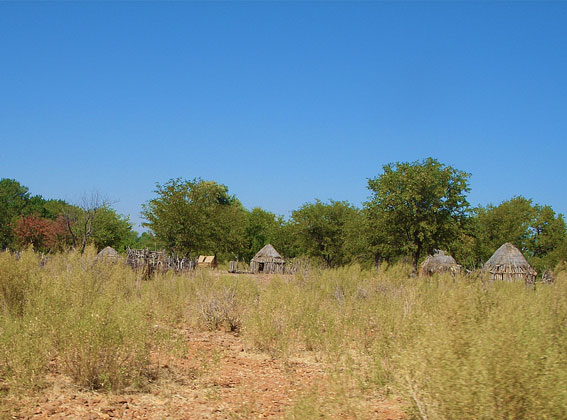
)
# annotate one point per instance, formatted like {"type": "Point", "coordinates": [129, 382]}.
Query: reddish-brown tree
{"type": "Point", "coordinates": [44, 234]}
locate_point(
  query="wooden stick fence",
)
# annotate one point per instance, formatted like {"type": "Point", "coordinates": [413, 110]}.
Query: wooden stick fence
{"type": "Point", "coordinates": [157, 261]}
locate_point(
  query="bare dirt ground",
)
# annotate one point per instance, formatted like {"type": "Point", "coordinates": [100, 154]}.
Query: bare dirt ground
{"type": "Point", "coordinates": [214, 376]}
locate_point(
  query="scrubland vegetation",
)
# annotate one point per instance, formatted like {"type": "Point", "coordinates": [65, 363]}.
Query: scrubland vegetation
{"type": "Point", "coordinates": [451, 348]}
{"type": "Point", "coordinates": [413, 209]}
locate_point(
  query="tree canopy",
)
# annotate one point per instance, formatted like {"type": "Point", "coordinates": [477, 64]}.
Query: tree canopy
{"type": "Point", "coordinates": [190, 216]}
{"type": "Point", "coordinates": [54, 225]}
{"type": "Point", "coordinates": [536, 230]}
{"type": "Point", "coordinates": [321, 230]}
{"type": "Point", "coordinates": [415, 207]}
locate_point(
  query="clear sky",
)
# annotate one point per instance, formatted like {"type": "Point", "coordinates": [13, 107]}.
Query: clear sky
{"type": "Point", "coordinates": [282, 102]}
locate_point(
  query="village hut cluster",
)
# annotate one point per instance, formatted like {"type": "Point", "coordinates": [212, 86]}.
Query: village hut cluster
{"type": "Point", "coordinates": [506, 264]}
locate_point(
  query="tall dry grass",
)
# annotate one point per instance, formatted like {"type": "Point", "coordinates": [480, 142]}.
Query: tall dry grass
{"type": "Point", "coordinates": [453, 348]}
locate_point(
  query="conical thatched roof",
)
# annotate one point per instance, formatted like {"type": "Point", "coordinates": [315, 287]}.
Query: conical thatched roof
{"type": "Point", "coordinates": [439, 263]}
{"type": "Point", "coordinates": [267, 253]}
{"type": "Point", "coordinates": [108, 252]}
{"type": "Point", "coordinates": [508, 263]}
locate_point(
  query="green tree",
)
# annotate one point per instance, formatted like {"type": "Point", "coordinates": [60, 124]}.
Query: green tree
{"type": "Point", "coordinates": [95, 222]}
{"type": "Point", "coordinates": [262, 227]}
{"type": "Point", "coordinates": [416, 207]}
{"type": "Point", "coordinates": [536, 230]}
{"type": "Point", "coordinates": [356, 236]}
{"type": "Point", "coordinates": [548, 238]}
{"type": "Point", "coordinates": [13, 200]}
{"type": "Point", "coordinates": [52, 209]}
{"type": "Point", "coordinates": [196, 216]}
{"type": "Point", "coordinates": [146, 240]}
{"type": "Point", "coordinates": [508, 222]}
{"type": "Point", "coordinates": [110, 229]}
{"type": "Point", "coordinates": [320, 230]}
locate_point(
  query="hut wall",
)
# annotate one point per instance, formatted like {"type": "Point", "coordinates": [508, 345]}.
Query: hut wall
{"type": "Point", "coordinates": [512, 277]}
{"type": "Point", "coordinates": [270, 267]}
{"type": "Point", "coordinates": [512, 273]}
{"type": "Point", "coordinates": [437, 269]}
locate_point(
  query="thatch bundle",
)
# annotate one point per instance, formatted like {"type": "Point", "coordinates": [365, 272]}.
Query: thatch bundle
{"type": "Point", "coordinates": [508, 264]}
{"type": "Point", "coordinates": [267, 260]}
{"type": "Point", "coordinates": [439, 263]}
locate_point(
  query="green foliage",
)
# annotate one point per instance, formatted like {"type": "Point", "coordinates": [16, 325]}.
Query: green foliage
{"type": "Point", "coordinates": [53, 208]}
{"type": "Point", "coordinates": [262, 228]}
{"type": "Point", "coordinates": [52, 225]}
{"type": "Point", "coordinates": [416, 207]}
{"type": "Point", "coordinates": [508, 222]}
{"type": "Point", "coordinates": [536, 230]}
{"type": "Point", "coordinates": [321, 230]}
{"type": "Point", "coordinates": [110, 229]}
{"type": "Point", "coordinates": [196, 216]}
{"type": "Point", "coordinates": [13, 200]}
{"type": "Point", "coordinates": [144, 241]}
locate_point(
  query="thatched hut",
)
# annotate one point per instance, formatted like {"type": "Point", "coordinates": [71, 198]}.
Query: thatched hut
{"type": "Point", "coordinates": [439, 263]}
{"type": "Point", "coordinates": [267, 260]}
{"type": "Point", "coordinates": [207, 261]}
{"type": "Point", "coordinates": [108, 254]}
{"type": "Point", "coordinates": [508, 264]}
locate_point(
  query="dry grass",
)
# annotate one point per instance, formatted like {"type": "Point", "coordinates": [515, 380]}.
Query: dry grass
{"type": "Point", "coordinates": [452, 348]}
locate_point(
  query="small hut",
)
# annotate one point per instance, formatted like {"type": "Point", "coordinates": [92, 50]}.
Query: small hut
{"type": "Point", "coordinates": [508, 264]}
{"type": "Point", "coordinates": [267, 260]}
{"type": "Point", "coordinates": [207, 261]}
{"type": "Point", "coordinates": [439, 263]}
{"type": "Point", "coordinates": [108, 254]}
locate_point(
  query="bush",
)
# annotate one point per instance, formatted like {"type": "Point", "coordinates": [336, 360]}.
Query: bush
{"type": "Point", "coordinates": [73, 316]}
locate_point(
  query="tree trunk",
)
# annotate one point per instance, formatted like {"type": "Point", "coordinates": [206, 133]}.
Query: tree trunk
{"type": "Point", "coordinates": [416, 256]}
{"type": "Point", "coordinates": [377, 260]}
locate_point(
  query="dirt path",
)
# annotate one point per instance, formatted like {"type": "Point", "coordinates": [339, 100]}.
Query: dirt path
{"type": "Point", "coordinates": [214, 377]}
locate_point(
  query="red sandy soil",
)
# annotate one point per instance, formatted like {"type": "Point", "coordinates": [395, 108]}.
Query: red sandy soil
{"type": "Point", "coordinates": [214, 377]}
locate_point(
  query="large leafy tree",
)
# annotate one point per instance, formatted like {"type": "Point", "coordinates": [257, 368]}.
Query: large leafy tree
{"type": "Point", "coordinates": [191, 216]}
{"type": "Point", "coordinates": [416, 207]}
{"type": "Point", "coordinates": [321, 230]}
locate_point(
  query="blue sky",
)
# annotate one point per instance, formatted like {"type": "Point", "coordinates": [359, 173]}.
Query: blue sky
{"type": "Point", "coordinates": [283, 102]}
